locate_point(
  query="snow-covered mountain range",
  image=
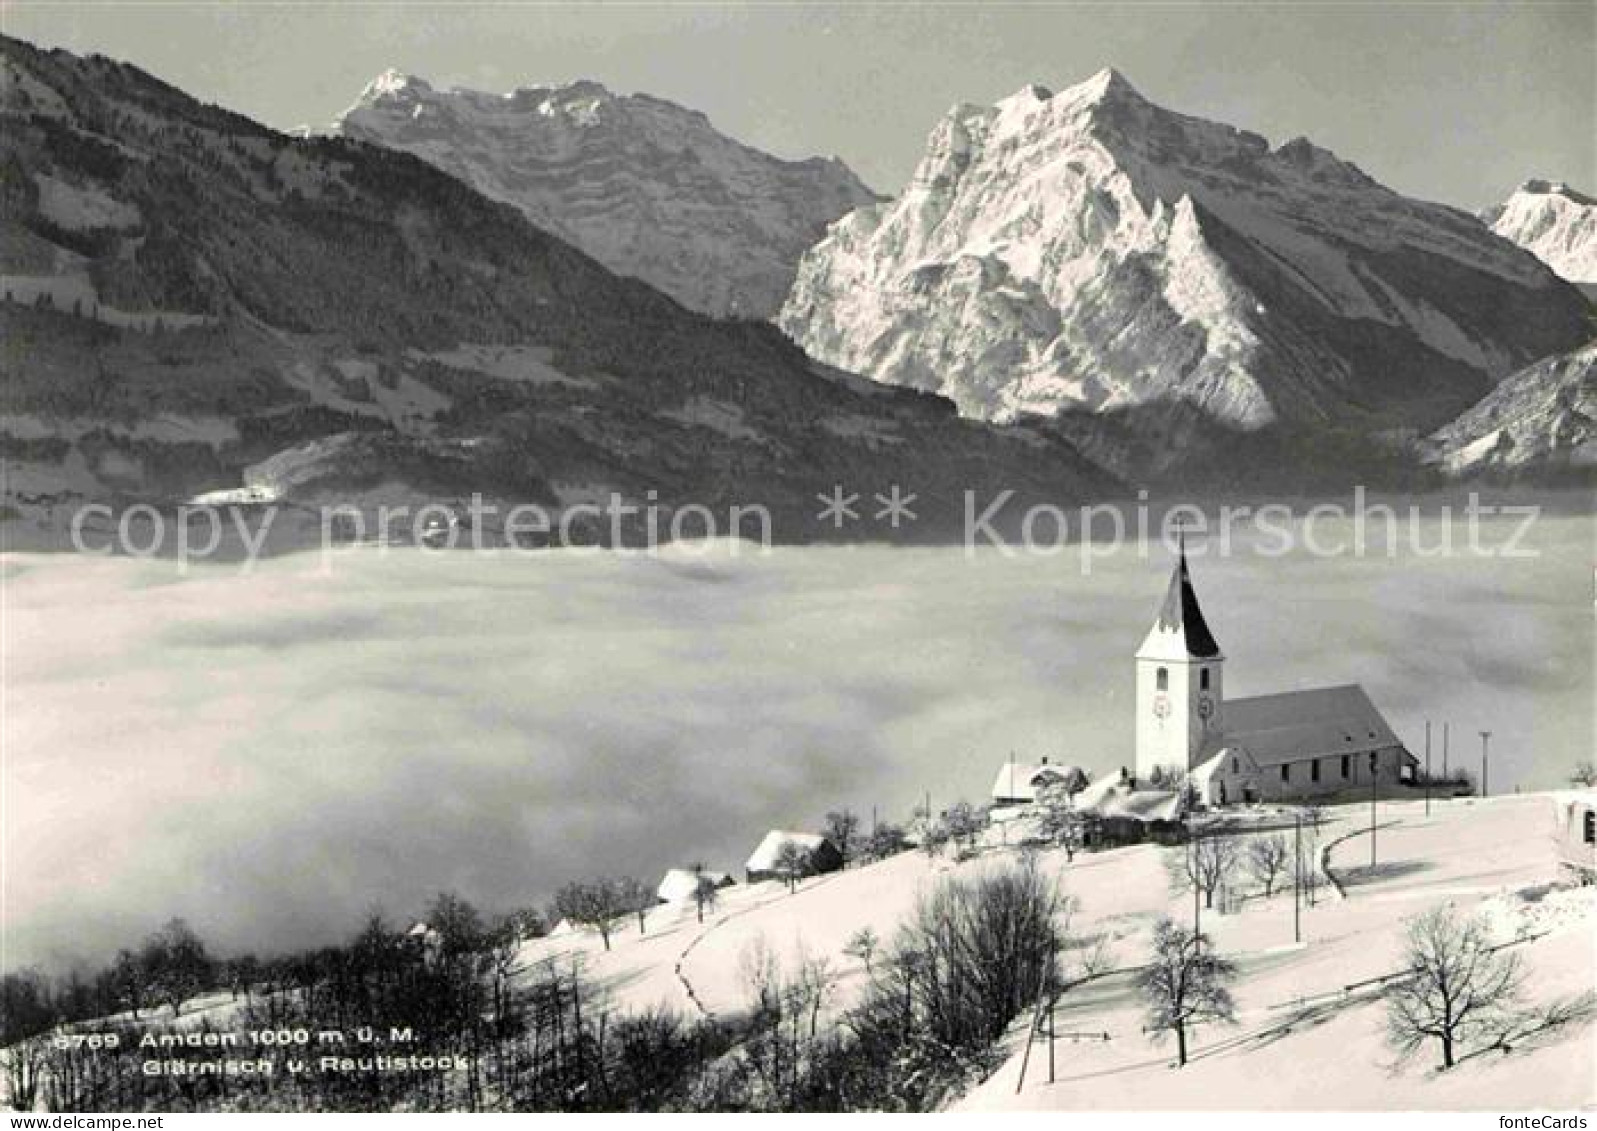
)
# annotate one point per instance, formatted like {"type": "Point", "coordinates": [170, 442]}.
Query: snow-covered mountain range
{"type": "Point", "coordinates": [1556, 223]}
{"type": "Point", "coordinates": [201, 306]}
{"type": "Point", "coordinates": [1089, 249]}
{"type": "Point", "coordinates": [1543, 417]}
{"type": "Point", "coordinates": [648, 188]}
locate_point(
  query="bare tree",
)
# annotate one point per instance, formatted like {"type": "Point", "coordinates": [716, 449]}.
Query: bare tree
{"type": "Point", "coordinates": [885, 840]}
{"type": "Point", "coordinates": [930, 833]}
{"type": "Point", "coordinates": [596, 904]}
{"type": "Point", "coordinates": [636, 897]}
{"type": "Point", "coordinates": [964, 823]}
{"type": "Point", "coordinates": [1584, 775]}
{"type": "Point", "coordinates": [131, 980]}
{"type": "Point", "coordinates": [459, 924]}
{"type": "Point", "coordinates": [28, 1009]}
{"type": "Point", "coordinates": [1307, 854]}
{"type": "Point", "coordinates": [1207, 863]}
{"type": "Point", "coordinates": [705, 892]}
{"type": "Point", "coordinates": [792, 863]}
{"type": "Point", "coordinates": [176, 963]}
{"type": "Point", "coordinates": [1058, 819]}
{"type": "Point", "coordinates": [1459, 987]}
{"type": "Point", "coordinates": [1185, 985]}
{"type": "Point", "coordinates": [1269, 859]}
{"type": "Point", "coordinates": [242, 973]}
{"type": "Point", "coordinates": [842, 829]}
{"type": "Point", "coordinates": [863, 945]}
{"type": "Point", "coordinates": [811, 987]}
{"type": "Point", "coordinates": [978, 949]}
{"type": "Point", "coordinates": [761, 974]}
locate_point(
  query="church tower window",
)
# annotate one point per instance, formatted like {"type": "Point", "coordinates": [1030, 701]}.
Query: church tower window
{"type": "Point", "coordinates": [1203, 679]}
{"type": "Point", "coordinates": [1163, 679]}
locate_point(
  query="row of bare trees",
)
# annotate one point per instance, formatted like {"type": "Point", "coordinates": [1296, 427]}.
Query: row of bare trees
{"type": "Point", "coordinates": [1216, 862]}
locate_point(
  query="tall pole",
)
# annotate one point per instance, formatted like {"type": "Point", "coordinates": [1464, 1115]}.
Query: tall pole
{"type": "Point", "coordinates": [1375, 778]}
{"type": "Point", "coordinates": [1297, 876]}
{"type": "Point", "coordinates": [1446, 727]}
{"type": "Point", "coordinates": [1427, 767]}
{"type": "Point", "coordinates": [1486, 736]}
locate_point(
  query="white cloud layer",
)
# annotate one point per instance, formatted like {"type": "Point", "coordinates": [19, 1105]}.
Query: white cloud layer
{"type": "Point", "coordinates": [271, 755]}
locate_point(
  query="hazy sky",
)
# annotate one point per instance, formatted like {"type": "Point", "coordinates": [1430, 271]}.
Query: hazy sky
{"type": "Point", "coordinates": [1454, 102]}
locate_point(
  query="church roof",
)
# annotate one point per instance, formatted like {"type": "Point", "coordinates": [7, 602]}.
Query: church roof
{"type": "Point", "coordinates": [1180, 632]}
{"type": "Point", "coordinates": [1301, 724]}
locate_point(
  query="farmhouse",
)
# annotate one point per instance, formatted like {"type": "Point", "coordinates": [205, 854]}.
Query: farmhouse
{"type": "Point", "coordinates": [1019, 783]}
{"type": "Point", "coordinates": [425, 936]}
{"type": "Point", "coordinates": [680, 884]}
{"type": "Point", "coordinates": [1292, 745]}
{"type": "Point", "coordinates": [1575, 833]}
{"type": "Point", "coordinates": [817, 854]}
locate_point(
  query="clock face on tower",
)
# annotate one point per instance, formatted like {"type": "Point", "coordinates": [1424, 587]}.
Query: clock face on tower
{"type": "Point", "coordinates": [1161, 705]}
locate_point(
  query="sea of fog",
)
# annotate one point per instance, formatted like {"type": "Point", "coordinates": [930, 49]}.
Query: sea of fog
{"type": "Point", "coordinates": [273, 754]}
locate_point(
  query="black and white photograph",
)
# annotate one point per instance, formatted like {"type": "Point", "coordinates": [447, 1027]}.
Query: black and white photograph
{"type": "Point", "coordinates": [710, 557]}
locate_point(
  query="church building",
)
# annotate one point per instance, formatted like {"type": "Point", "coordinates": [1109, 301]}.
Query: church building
{"type": "Point", "coordinates": [1294, 745]}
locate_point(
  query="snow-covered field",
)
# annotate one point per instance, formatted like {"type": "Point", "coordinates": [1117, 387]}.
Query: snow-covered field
{"type": "Point", "coordinates": [1300, 1042]}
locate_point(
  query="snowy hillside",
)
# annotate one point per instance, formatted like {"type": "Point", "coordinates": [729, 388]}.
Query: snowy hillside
{"type": "Point", "coordinates": [1555, 223]}
{"type": "Point", "coordinates": [1495, 857]}
{"type": "Point", "coordinates": [1302, 1040]}
{"type": "Point", "coordinates": [1091, 249]}
{"type": "Point", "coordinates": [648, 188]}
{"type": "Point", "coordinates": [1546, 414]}
{"type": "Point", "coordinates": [1309, 1026]}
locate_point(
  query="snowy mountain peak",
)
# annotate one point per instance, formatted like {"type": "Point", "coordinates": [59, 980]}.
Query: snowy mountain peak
{"type": "Point", "coordinates": [1090, 249]}
{"type": "Point", "coordinates": [1026, 98]}
{"type": "Point", "coordinates": [649, 188]}
{"type": "Point", "coordinates": [1108, 84]}
{"type": "Point", "coordinates": [1554, 222]}
{"type": "Point", "coordinates": [1555, 188]}
{"type": "Point", "coordinates": [394, 83]}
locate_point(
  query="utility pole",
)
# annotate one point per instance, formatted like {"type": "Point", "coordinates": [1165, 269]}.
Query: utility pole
{"type": "Point", "coordinates": [1197, 904]}
{"type": "Point", "coordinates": [1297, 876]}
{"type": "Point", "coordinates": [1445, 728]}
{"type": "Point", "coordinates": [1051, 1004]}
{"type": "Point", "coordinates": [1427, 767]}
{"type": "Point", "coordinates": [1375, 777]}
{"type": "Point", "coordinates": [1486, 736]}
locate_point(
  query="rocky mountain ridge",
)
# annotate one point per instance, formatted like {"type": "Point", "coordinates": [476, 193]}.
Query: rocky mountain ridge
{"type": "Point", "coordinates": [648, 188]}
{"type": "Point", "coordinates": [1089, 251]}
{"type": "Point", "coordinates": [193, 302]}
{"type": "Point", "coordinates": [1555, 223]}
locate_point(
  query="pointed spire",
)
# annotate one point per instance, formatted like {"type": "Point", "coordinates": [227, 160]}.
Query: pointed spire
{"type": "Point", "coordinates": [1180, 627]}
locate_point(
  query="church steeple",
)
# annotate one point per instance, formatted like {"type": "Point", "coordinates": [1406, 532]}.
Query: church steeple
{"type": "Point", "coordinates": [1180, 692]}
{"type": "Point", "coordinates": [1180, 630]}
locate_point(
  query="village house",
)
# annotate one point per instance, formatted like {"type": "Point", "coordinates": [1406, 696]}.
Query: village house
{"type": "Point", "coordinates": [819, 855]}
{"type": "Point", "coordinates": [1019, 783]}
{"type": "Point", "coordinates": [1575, 833]}
{"type": "Point", "coordinates": [680, 884]}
